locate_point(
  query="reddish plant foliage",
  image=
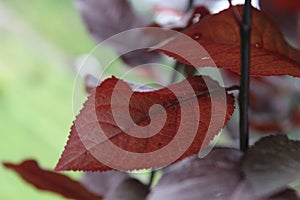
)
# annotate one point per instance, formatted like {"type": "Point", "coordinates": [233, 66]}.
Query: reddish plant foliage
{"type": "Point", "coordinates": [47, 180]}
{"type": "Point", "coordinates": [219, 35]}
{"type": "Point", "coordinates": [96, 118]}
{"type": "Point", "coordinates": [138, 120]}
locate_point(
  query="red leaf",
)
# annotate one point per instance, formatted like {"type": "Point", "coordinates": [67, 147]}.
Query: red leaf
{"type": "Point", "coordinates": [51, 181]}
{"type": "Point", "coordinates": [219, 35]}
{"type": "Point", "coordinates": [165, 127]}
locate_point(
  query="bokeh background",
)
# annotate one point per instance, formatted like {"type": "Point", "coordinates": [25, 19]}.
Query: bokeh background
{"type": "Point", "coordinates": [39, 43]}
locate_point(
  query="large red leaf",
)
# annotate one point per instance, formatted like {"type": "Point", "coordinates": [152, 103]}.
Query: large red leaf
{"type": "Point", "coordinates": [51, 181]}
{"type": "Point", "coordinates": [125, 130]}
{"type": "Point", "coordinates": [219, 35]}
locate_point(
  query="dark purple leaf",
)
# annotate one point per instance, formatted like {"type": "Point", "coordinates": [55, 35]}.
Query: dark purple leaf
{"type": "Point", "coordinates": [129, 189]}
{"type": "Point", "coordinates": [271, 164]}
{"type": "Point", "coordinates": [107, 18]}
{"type": "Point", "coordinates": [214, 177]}
{"type": "Point", "coordinates": [103, 183]}
{"type": "Point", "coordinates": [287, 194]}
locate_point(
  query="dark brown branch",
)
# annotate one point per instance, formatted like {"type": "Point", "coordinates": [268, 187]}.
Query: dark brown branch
{"type": "Point", "coordinates": [245, 31]}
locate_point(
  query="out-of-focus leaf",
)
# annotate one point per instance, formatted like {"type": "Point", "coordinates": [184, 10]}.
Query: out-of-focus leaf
{"type": "Point", "coordinates": [288, 194]}
{"type": "Point", "coordinates": [271, 164]}
{"type": "Point", "coordinates": [103, 183]}
{"type": "Point", "coordinates": [129, 189]}
{"type": "Point", "coordinates": [218, 176]}
{"type": "Point", "coordinates": [219, 35]}
{"type": "Point", "coordinates": [51, 181]}
{"type": "Point", "coordinates": [285, 14]}
{"type": "Point", "coordinates": [108, 18]}
{"type": "Point", "coordinates": [90, 83]}
{"type": "Point", "coordinates": [274, 103]}
{"type": "Point", "coordinates": [95, 126]}
{"type": "Point", "coordinates": [214, 177]}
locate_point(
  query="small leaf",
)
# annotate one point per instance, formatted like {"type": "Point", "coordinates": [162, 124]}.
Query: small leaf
{"type": "Point", "coordinates": [134, 130]}
{"type": "Point", "coordinates": [129, 189]}
{"type": "Point", "coordinates": [219, 35]}
{"type": "Point", "coordinates": [103, 183]}
{"type": "Point", "coordinates": [271, 164]}
{"type": "Point", "coordinates": [51, 181]}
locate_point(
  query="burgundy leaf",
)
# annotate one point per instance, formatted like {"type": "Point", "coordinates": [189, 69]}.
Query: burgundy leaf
{"type": "Point", "coordinates": [219, 35]}
{"type": "Point", "coordinates": [51, 181]}
{"type": "Point", "coordinates": [97, 135]}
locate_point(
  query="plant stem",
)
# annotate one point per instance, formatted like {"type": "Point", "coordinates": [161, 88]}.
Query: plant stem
{"type": "Point", "coordinates": [190, 5]}
{"type": "Point", "coordinates": [151, 178]}
{"type": "Point", "coordinates": [178, 65]}
{"type": "Point", "coordinates": [245, 32]}
{"type": "Point", "coordinates": [174, 74]}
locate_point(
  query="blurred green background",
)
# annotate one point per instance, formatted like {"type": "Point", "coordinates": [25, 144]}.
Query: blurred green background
{"type": "Point", "coordinates": [39, 41]}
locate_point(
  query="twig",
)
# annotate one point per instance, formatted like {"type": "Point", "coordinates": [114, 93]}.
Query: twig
{"type": "Point", "coordinates": [175, 71]}
{"type": "Point", "coordinates": [245, 31]}
{"type": "Point", "coordinates": [190, 5]}
{"type": "Point", "coordinates": [151, 178]}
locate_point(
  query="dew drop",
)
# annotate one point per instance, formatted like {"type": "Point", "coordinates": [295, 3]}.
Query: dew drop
{"type": "Point", "coordinates": [205, 58]}
{"type": "Point", "coordinates": [257, 45]}
{"type": "Point", "coordinates": [196, 36]}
